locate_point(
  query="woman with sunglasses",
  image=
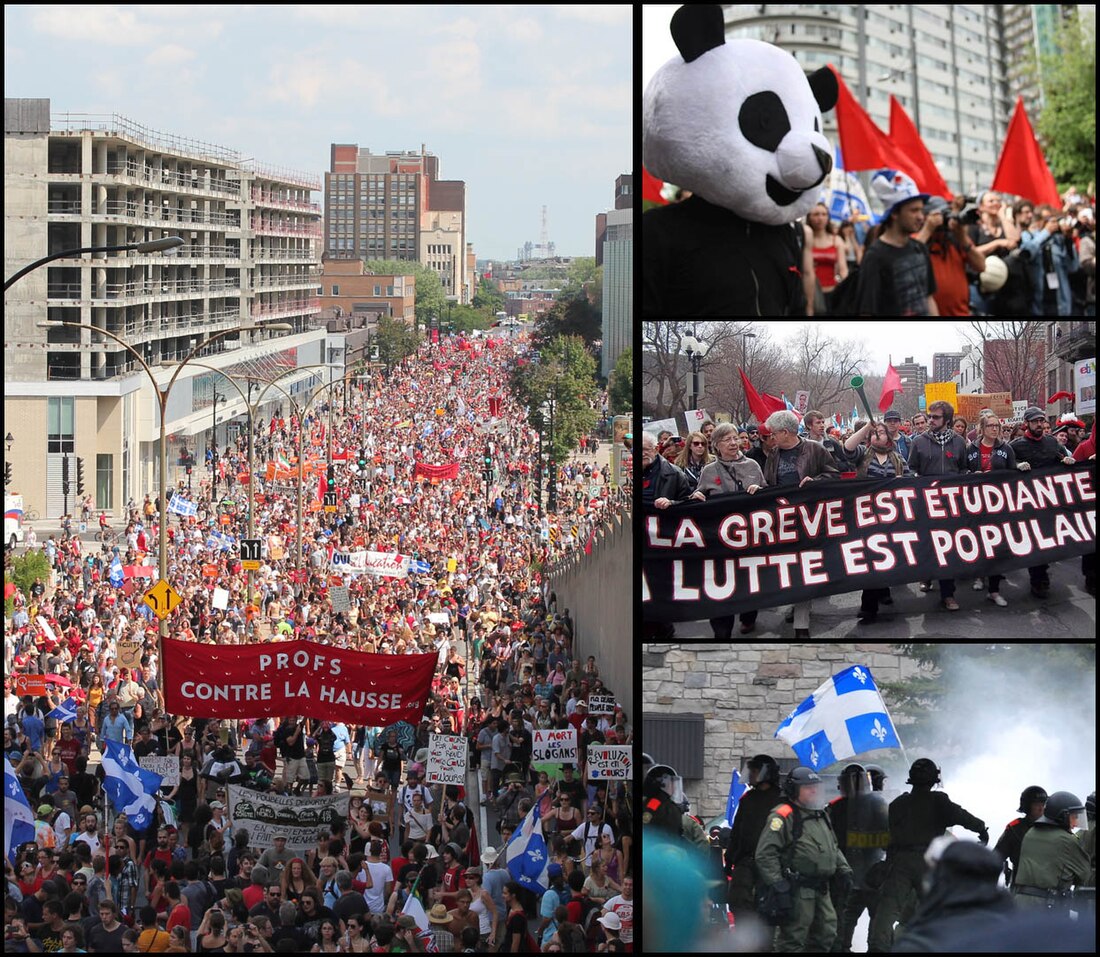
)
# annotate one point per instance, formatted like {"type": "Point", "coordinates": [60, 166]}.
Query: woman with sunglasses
{"type": "Point", "coordinates": [695, 454]}
{"type": "Point", "coordinates": [354, 941]}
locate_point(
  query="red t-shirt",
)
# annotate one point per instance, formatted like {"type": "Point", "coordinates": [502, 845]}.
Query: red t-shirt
{"type": "Point", "coordinates": [68, 752]}
{"type": "Point", "coordinates": [987, 456]}
{"type": "Point", "coordinates": [252, 895]}
{"type": "Point", "coordinates": [180, 917]}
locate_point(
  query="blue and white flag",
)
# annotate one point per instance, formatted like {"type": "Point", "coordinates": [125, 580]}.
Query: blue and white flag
{"type": "Point", "coordinates": [182, 506]}
{"type": "Point", "coordinates": [66, 711]}
{"type": "Point", "coordinates": [129, 786]}
{"type": "Point", "coordinates": [737, 791]}
{"type": "Point", "coordinates": [117, 576]}
{"type": "Point", "coordinates": [417, 567]}
{"type": "Point", "coordinates": [219, 541]}
{"type": "Point", "coordinates": [18, 816]}
{"type": "Point", "coordinates": [526, 854]}
{"type": "Point", "coordinates": [844, 717]}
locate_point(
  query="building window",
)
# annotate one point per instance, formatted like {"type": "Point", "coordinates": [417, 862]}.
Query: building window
{"type": "Point", "coordinates": [59, 424]}
{"type": "Point", "coordinates": [336, 290]}
{"type": "Point", "coordinates": [104, 481]}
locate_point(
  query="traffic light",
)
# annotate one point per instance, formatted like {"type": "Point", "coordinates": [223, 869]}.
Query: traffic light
{"type": "Point", "coordinates": [488, 456]}
{"type": "Point", "coordinates": [7, 474]}
{"type": "Point", "coordinates": [330, 476]}
{"type": "Point", "coordinates": [65, 476]}
{"type": "Point", "coordinates": [80, 477]}
{"type": "Point", "coordinates": [362, 460]}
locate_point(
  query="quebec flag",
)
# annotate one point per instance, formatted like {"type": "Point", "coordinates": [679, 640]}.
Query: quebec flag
{"type": "Point", "coordinates": [526, 853]}
{"type": "Point", "coordinates": [66, 711]}
{"type": "Point", "coordinates": [117, 576]}
{"type": "Point", "coordinates": [182, 506]}
{"type": "Point", "coordinates": [129, 786]}
{"type": "Point", "coordinates": [18, 817]}
{"type": "Point", "coordinates": [844, 717]}
{"type": "Point", "coordinates": [417, 567]}
{"type": "Point", "coordinates": [737, 791]}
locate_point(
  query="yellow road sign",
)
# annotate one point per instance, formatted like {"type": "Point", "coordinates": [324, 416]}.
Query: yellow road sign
{"type": "Point", "coordinates": [162, 598]}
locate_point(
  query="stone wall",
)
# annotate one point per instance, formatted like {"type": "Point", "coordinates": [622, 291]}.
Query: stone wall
{"type": "Point", "coordinates": [744, 692]}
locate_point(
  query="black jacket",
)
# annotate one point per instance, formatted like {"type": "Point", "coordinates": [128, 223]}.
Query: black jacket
{"type": "Point", "coordinates": [667, 481]}
{"type": "Point", "coordinates": [1003, 457]}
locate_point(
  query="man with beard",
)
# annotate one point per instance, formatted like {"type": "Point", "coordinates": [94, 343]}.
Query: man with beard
{"type": "Point", "coordinates": [1036, 449]}
{"type": "Point", "coordinates": [1032, 800]}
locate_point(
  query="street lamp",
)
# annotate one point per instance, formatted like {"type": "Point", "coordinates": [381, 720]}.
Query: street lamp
{"type": "Point", "coordinates": [696, 349]}
{"type": "Point", "coordinates": [152, 246]}
{"type": "Point", "coordinates": [744, 351]}
{"type": "Point", "coordinates": [214, 436]}
{"type": "Point", "coordinates": [9, 438]}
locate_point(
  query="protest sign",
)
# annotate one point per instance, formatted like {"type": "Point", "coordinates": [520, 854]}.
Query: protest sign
{"type": "Point", "coordinates": [610, 761]}
{"type": "Point", "coordinates": [601, 704]}
{"type": "Point", "coordinates": [340, 599]}
{"type": "Point", "coordinates": [658, 426]}
{"type": "Point", "coordinates": [168, 767]}
{"type": "Point", "coordinates": [363, 562]}
{"type": "Point", "coordinates": [446, 759]}
{"type": "Point", "coordinates": [970, 406]}
{"type": "Point", "coordinates": [940, 392]}
{"type": "Point", "coordinates": [295, 678]}
{"type": "Point", "coordinates": [744, 552]}
{"type": "Point", "coordinates": [548, 744]}
{"type": "Point", "coordinates": [220, 599]}
{"type": "Point", "coordinates": [299, 818]}
{"type": "Point", "coordinates": [128, 653]}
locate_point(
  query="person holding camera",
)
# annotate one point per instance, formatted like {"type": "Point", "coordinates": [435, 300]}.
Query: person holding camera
{"type": "Point", "coordinates": [952, 253]}
{"type": "Point", "coordinates": [1052, 256]}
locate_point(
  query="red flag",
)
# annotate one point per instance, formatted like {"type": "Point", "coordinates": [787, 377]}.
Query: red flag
{"type": "Point", "coordinates": [905, 137]}
{"type": "Point", "coordinates": [862, 144]}
{"type": "Point", "coordinates": [651, 188]}
{"type": "Point", "coordinates": [322, 485]}
{"type": "Point", "coordinates": [1022, 170]}
{"type": "Point", "coordinates": [890, 385]}
{"type": "Point", "coordinates": [761, 408]}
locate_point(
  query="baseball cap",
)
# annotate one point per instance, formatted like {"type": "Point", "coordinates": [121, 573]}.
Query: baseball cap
{"type": "Point", "coordinates": [892, 414]}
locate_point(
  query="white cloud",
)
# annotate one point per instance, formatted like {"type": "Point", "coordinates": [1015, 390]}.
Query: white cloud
{"type": "Point", "coordinates": [171, 54]}
{"type": "Point", "coordinates": [94, 24]}
{"type": "Point", "coordinates": [605, 13]}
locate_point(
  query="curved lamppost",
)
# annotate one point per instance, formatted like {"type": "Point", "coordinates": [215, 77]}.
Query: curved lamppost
{"type": "Point", "coordinates": [152, 246]}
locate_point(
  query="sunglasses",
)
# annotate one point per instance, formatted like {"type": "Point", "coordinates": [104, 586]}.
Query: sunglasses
{"type": "Point", "coordinates": [698, 443]}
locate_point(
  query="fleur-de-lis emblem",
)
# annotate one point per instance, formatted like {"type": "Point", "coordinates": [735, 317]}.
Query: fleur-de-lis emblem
{"type": "Point", "coordinates": [860, 675]}
{"type": "Point", "coordinates": [814, 756]}
{"type": "Point", "coordinates": [879, 731]}
{"type": "Point", "coordinates": [535, 854]}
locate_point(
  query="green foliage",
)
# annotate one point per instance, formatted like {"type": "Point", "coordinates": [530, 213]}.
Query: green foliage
{"type": "Point", "coordinates": [564, 378]}
{"type": "Point", "coordinates": [466, 318]}
{"type": "Point", "coordinates": [1067, 124]}
{"type": "Point", "coordinates": [429, 290]}
{"type": "Point", "coordinates": [488, 298]}
{"type": "Point", "coordinates": [395, 340]}
{"type": "Point", "coordinates": [620, 390]}
{"type": "Point", "coordinates": [570, 316]}
{"type": "Point", "coordinates": [26, 568]}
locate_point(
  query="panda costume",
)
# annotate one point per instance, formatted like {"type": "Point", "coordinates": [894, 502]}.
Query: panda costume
{"type": "Point", "coordinates": [739, 125]}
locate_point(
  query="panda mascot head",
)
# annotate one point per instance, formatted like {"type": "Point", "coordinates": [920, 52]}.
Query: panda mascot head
{"type": "Point", "coordinates": [737, 122]}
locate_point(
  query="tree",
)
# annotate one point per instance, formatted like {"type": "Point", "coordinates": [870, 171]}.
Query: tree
{"type": "Point", "coordinates": [1066, 126]}
{"type": "Point", "coordinates": [571, 315]}
{"type": "Point", "coordinates": [430, 300]}
{"type": "Point", "coordinates": [395, 340]}
{"type": "Point", "coordinates": [1011, 357]}
{"type": "Point", "coordinates": [620, 389]}
{"type": "Point", "coordinates": [488, 298]}
{"type": "Point", "coordinates": [564, 378]}
{"type": "Point", "coordinates": [23, 570]}
{"type": "Point", "coordinates": [466, 319]}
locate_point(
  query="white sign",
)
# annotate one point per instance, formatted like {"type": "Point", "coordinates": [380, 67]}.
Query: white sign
{"type": "Point", "coordinates": [559, 747]}
{"type": "Point", "coordinates": [1019, 407]}
{"type": "Point", "coordinates": [340, 599]}
{"type": "Point", "coordinates": [694, 419]}
{"type": "Point", "coordinates": [446, 759]}
{"type": "Point", "coordinates": [299, 818]}
{"type": "Point", "coordinates": [167, 767]}
{"type": "Point", "coordinates": [220, 599]}
{"type": "Point", "coordinates": [1086, 387]}
{"type": "Point", "coordinates": [802, 402]}
{"type": "Point", "coordinates": [610, 761]}
{"type": "Point", "coordinates": [601, 704]}
{"type": "Point", "coordinates": [362, 562]}
{"type": "Point", "coordinates": [439, 617]}
{"type": "Point", "coordinates": [660, 425]}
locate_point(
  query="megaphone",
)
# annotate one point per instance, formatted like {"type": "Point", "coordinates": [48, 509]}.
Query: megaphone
{"type": "Point", "coordinates": [857, 384]}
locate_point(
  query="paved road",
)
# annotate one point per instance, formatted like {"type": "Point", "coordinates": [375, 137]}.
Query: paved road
{"type": "Point", "coordinates": [1069, 612]}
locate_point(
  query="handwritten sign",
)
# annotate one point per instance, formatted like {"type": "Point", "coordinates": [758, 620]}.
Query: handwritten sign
{"type": "Point", "coordinates": [940, 392]}
{"type": "Point", "coordinates": [446, 759]}
{"type": "Point", "coordinates": [167, 767]}
{"type": "Point", "coordinates": [610, 761]}
{"type": "Point", "coordinates": [601, 704]}
{"type": "Point", "coordinates": [299, 818]}
{"type": "Point", "coordinates": [129, 653]}
{"type": "Point", "coordinates": [548, 744]}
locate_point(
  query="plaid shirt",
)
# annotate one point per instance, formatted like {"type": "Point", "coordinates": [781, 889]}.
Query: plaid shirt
{"type": "Point", "coordinates": [124, 886]}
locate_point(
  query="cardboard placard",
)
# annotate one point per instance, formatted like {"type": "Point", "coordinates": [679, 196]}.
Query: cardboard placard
{"type": "Point", "coordinates": [601, 704]}
{"type": "Point", "coordinates": [552, 745]}
{"type": "Point", "coordinates": [970, 406]}
{"type": "Point", "coordinates": [167, 767]}
{"type": "Point", "coordinates": [610, 761]}
{"type": "Point", "coordinates": [129, 653]}
{"type": "Point", "coordinates": [940, 392]}
{"type": "Point", "coordinates": [446, 759]}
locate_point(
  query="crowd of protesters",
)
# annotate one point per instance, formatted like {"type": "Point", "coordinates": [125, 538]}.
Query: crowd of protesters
{"type": "Point", "coordinates": [721, 460]}
{"type": "Point", "coordinates": [507, 665]}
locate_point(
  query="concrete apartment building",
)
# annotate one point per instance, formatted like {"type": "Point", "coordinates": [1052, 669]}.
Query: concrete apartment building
{"type": "Point", "coordinates": [348, 289]}
{"type": "Point", "coordinates": [394, 206]}
{"type": "Point", "coordinates": [251, 246]}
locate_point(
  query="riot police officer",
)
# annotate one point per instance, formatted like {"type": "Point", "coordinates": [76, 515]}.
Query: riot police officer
{"type": "Point", "coordinates": [1008, 844]}
{"type": "Point", "coordinates": [663, 799]}
{"type": "Point", "coordinates": [860, 820]}
{"type": "Point", "coordinates": [1052, 859]}
{"type": "Point", "coordinates": [752, 814]}
{"type": "Point", "coordinates": [916, 819]}
{"type": "Point", "coordinates": [797, 858]}
{"type": "Point", "coordinates": [878, 777]}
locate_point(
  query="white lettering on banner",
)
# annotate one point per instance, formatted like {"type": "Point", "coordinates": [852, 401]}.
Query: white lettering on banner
{"type": "Point", "coordinates": [299, 818]}
{"type": "Point", "coordinates": [554, 746]}
{"type": "Point", "coordinates": [167, 767]}
{"type": "Point", "coordinates": [446, 759]}
{"type": "Point", "coordinates": [610, 761]}
{"type": "Point", "coordinates": [204, 691]}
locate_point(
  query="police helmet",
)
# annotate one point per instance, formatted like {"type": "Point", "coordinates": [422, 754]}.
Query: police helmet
{"type": "Point", "coordinates": [798, 778]}
{"type": "Point", "coordinates": [878, 776]}
{"type": "Point", "coordinates": [1029, 796]}
{"type": "Point", "coordinates": [849, 780]}
{"type": "Point", "coordinates": [768, 768]}
{"type": "Point", "coordinates": [1060, 805]}
{"type": "Point", "coordinates": [924, 771]}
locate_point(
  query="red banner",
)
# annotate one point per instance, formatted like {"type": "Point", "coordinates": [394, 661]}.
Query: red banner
{"type": "Point", "coordinates": [436, 472]}
{"type": "Point", "coordinates": [295, 678]}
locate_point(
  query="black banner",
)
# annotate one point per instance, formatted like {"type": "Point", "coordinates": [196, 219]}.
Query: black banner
{"type": "Point", "coordinates": [744, 552]}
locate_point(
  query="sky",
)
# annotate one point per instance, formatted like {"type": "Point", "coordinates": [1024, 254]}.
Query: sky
{"type": "Point", "coordinates": [530, 105]}
{"type": "Point", "coordinates": [657, 45]}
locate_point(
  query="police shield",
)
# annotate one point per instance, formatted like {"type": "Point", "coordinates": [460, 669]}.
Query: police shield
{"type": "Point", "coordinates": [862, 825]}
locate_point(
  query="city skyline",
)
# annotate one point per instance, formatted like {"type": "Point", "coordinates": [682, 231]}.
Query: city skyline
{"type": "Point", "coordinates": [529, 106]}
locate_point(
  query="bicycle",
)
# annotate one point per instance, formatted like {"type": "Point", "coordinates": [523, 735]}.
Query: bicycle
{"type": "Point", "coordinates": [30, 515]}
{"type": "Point", "coordinates": [106, 535]}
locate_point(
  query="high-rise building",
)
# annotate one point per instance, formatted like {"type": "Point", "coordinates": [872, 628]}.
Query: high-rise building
{"type": "Point", "coordinates": [618, 287]}
{"type": "Point", "coordinates": [624, 199]}
{"type": "Point", "coordinates": [914, 378]}
{"type": "Point", "coordinates": [250, 245]}
{"type": "Point", "coordinates": [945, 365]}
{"type": "Point", "coordinates": [394, 206]}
